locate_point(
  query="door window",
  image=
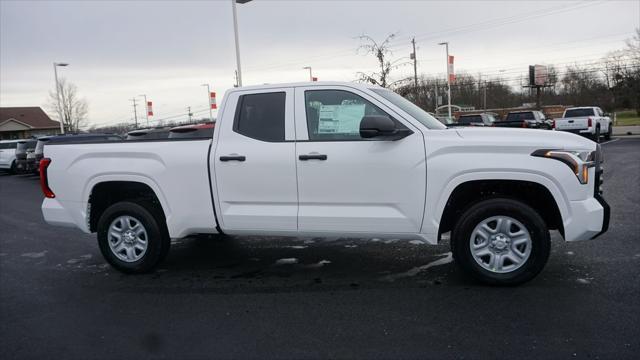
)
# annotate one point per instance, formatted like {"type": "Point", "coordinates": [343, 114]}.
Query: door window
{"type": "Point", "coordinates": [334, 115]}
{"type": "Point", "coordinates": [261, 116]}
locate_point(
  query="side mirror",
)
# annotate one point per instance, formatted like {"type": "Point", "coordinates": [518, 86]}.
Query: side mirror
{"type": "Point", "coordinates": [381, 126]}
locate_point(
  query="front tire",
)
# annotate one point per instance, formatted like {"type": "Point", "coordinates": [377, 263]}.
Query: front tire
{"type": "Point", "coordinates": [132, 236]}
{"type": "Point", "coordinates": [501, 242]}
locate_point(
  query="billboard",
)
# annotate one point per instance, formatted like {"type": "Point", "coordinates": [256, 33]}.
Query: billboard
{"type": "Point", "coordinates": [538, 75]}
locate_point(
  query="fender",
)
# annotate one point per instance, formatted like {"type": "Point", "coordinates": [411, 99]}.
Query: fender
{"type": "Point", "coordinates": [435, 213]}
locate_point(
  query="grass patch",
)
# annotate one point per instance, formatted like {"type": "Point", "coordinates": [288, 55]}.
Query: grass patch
{"type": "Point", "coordinates": [626, 118]}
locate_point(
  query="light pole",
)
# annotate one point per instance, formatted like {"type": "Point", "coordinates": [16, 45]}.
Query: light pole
{"type": "Point", "coordinates": [60, 112]}
{"type": "Point", "coordinates": [310, 73]}
{"type": "Point", "coordinates": [446, 44]}
{"type": "Point", "coordinates": [146, 108]}
{"type": "Point", "coordinates": [235, 32]}
{"type": "Point", "coordinates": [209, 101]}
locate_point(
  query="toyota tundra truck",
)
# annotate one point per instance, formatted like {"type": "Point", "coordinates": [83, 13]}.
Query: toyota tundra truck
{"type": "Point", "coordinates": [333, 159]}
{"type": "Point", "coordinates": [588, 121]}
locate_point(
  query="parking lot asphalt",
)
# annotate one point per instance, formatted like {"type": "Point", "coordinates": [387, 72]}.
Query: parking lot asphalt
{"type": "Point", "coordinates": [251, 297]}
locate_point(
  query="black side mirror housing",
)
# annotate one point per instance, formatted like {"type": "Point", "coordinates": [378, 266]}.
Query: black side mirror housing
{"type": "Point", "coordinates": [381, 126]}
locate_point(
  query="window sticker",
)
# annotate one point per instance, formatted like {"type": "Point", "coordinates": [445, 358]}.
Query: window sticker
{"type": "Point", "coordinates": [340, 119]}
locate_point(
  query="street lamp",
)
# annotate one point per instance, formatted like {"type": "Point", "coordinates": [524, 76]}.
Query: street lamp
{"type": "Point", "coordinates": [446, 44]}
{"type": "Point", "coordinates": [310, 73]}
{"type": "Point", "coordinates": [55, 73]}
{"type": "Point", "coordinates": [235, 32]}
{"type": "Point", "coordinates": [209, 101]}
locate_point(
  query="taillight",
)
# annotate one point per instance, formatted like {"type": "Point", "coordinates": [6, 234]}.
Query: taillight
{"type": "Point", "coordinates": [553, 124]}
{"type": "Point", "coordinates": [44, 181]}
{"type": "Point", "coordinates": [589, 122]}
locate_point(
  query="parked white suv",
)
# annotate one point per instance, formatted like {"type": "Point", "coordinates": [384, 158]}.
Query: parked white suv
{"type": "Point", "coordinates": [8, 154]}
{"type": "Point", "coordinates": [333, 159]}
{"type": "Point", "coordinates": [588, 121]}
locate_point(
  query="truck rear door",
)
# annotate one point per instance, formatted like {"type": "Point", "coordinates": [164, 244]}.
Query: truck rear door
{"type": "Point", "coordinates": [575, 119]}
{"type": "Point", "coordinates": [254, 162]}
{"type": "Point", "coordinates": [350, 184]}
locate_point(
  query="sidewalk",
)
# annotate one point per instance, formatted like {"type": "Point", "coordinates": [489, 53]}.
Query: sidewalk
{"type": "Point", "coordinates": [625, 130]}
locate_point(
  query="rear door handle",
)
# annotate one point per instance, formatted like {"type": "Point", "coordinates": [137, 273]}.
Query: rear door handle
{"type": "Point", "coordinates": [233, 158]}
{"type": "Point", "coordinates": [312, 157]}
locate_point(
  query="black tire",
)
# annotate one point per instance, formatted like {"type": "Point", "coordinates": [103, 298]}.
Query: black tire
{"type": "Point", "coordinates": [12, 170]}
{"type": "Point", "coordinates": [158, 241]}
{"type": "Point", "coordinates": [607, 136]}
{"type": "Point", "coordinates": [534, 224]}
{"type": "Point", "coordinates": [596, 135]}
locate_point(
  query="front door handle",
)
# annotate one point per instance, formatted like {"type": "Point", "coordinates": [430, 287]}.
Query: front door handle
{"type": "Point", "coordinates": [312, 157]}
{"type": "Point", "coordinates": [233, 158]}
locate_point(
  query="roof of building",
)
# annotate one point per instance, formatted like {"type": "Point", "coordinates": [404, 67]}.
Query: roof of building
{"type": "Point", "coordinates": [33, 117]}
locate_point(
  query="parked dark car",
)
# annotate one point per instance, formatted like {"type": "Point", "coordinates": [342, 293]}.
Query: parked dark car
{"type": "Point", "coordinates": [192, 131]}
{"type": "Point", "coordinates": [483, 119]}
{"type": "Point", "coordinates": [67, 138]}
{"type": "Point", "coordinates": [24, 147]}
{"type": "Point", "coordinates": [524, 119]}
{"type": "Point", "coordinates": [148, 134]}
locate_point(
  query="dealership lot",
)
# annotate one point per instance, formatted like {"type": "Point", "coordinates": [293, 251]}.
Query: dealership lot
{"type": "Point", "coordinates": [301, 298]}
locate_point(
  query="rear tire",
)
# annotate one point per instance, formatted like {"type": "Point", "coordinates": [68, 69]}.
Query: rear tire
{"type": "Point", "coordinates": [596, 135]}
{"type": "Point", "coordinates": [12, 170]}
{"type": "Point", "coordinates": [132, 236]}
{"type": "Point", "coordinates": [607, 136]}
{"type": "Point", "coordinates": [513, 251]}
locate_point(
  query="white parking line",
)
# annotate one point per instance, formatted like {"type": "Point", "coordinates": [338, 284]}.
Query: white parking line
{"type": "Point", "coordinates": [610, 141]}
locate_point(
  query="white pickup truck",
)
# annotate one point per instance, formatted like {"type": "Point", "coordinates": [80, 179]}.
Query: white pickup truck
{"type": "Point", "coordinates": [333, 159]}
{"type": "Point", "coordinates": [588, 121]}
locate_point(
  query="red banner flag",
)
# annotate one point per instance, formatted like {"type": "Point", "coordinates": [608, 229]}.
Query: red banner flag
{"type": "Point", "coordinates": [149, 108]}
{"type": "Point", "coordinates": [212, 100]}
{"type": "Point", "coordinates": [452, 76]}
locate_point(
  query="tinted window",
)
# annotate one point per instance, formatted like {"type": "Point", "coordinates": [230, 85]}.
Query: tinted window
{"type": "Point", "coordinates": [521, 116]}
{"type": "Point", "coordinates": [261, 116]}
{"type": "Point", "coordinates": [192, 133]}
{"type": "Point", "coordinates": [336, 114]}
{"type": "Point", "coordinates": [578, 113]}
{"type": "Point", "coordinates": [470, 119]}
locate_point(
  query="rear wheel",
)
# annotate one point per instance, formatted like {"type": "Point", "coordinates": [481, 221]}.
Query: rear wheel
{"type": "Point", "coordinates": [132, 236]}
{"type": "Point", "coordinates": [501, 242]}
{"type": "Point", "coordinates": [607, 136]}
{"type": "Point", "coordinates": [596, 135]}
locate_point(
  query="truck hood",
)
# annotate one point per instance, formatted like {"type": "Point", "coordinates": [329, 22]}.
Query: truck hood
{"type": "Point", "coordinates": [531, 138]}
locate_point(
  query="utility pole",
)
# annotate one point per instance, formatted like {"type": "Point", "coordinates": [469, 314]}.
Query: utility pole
{"type": "Point", "coordinates": [135, 111]}
{"type": "Point", "coordinates": [485, 94]}
{"type": "Point", "coordinates": [435, 109]}
{"type": "Point", "coordinates": [190, 114]}
{"type": "Point", "coordinates": [415, 67]}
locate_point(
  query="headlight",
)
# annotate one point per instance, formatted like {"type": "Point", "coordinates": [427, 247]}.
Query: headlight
{"type": "Point", "coordinates": [578, 160]}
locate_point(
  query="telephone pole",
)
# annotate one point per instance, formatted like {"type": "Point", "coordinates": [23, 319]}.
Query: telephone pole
{"type": "Point", "coordinates": [135, 111]}
{"type": "Point", "coordinates": [189, 112]}
{"type": "Point", "coordinates": [415, 67]}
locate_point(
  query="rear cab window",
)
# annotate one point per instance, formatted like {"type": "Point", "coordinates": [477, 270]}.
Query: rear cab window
{"type": "Point", "coordinates": [468, 119]}
{"type": "Point", "coordinates": [261, 116]}
{"type": "Point", "coordinates": [578, 113]}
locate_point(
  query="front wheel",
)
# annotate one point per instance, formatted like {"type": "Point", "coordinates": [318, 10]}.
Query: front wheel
{"type": "Point", "coordinates": [501, 242]}
{"type": "Point", "coordinates": [132, 236]}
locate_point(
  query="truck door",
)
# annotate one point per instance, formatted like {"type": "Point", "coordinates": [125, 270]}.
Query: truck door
{"type": "Point", "coordinates": [351, 184]}
{"type": "Point", "coordinates": [254, 162]}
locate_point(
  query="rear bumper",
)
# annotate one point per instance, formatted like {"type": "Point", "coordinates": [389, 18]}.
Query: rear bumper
{"type": "Point", "coordinates": [64, 213]}
{"type": "Point", "coordinates": [586, 131]}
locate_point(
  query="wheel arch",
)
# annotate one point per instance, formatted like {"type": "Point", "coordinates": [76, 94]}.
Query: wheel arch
{"type": "Point", "coordinates": [543, 198]}
{"type": "Point", "coordinates": [107, 192]}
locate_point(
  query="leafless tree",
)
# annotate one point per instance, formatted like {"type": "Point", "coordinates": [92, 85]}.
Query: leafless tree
{"type": "Point", "coordinates": [382, 52]}
{"type": "Point", "coordinates": [74, 110]}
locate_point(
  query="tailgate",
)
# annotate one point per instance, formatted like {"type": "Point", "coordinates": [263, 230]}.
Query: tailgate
{"type": "Point", "coordinates": [577, 123]}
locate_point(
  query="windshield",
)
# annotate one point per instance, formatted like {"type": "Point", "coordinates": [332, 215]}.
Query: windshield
{"type": "Point", "coordinates": [410, 108]}
{"type": "Point", "coordinates": [578, 113]}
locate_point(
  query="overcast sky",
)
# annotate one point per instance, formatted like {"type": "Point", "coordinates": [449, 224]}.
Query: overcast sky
{"type": "Point", "coordinates": [166, 49]}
